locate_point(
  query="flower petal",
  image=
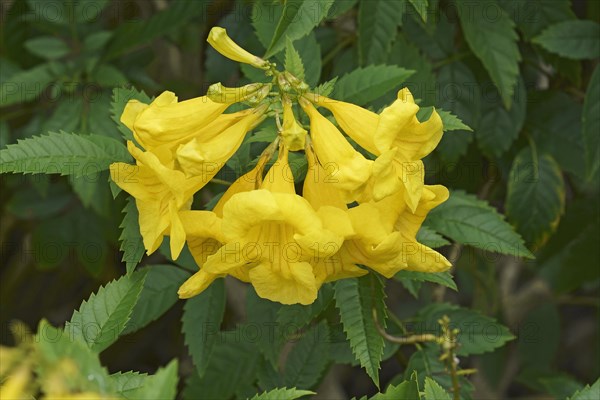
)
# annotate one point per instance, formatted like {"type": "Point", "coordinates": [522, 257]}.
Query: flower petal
{"type": "Point", "coordinates": [299, 286]}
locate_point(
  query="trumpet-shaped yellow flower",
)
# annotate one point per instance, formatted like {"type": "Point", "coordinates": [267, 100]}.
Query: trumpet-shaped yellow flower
{"type": "Point", "coordinates": [349, 170]}
{"type": "Point", "coordinates": [206, 158]}
{"type": "Point", "coordinates": [160, 193]}
{"type": "Point", "coordinates": [274, 233]}
{"type": "Point", "coordinates": [222, 43]}
{"type": "Point", "coordinates": [293, 135]}
{"type": "Point", "coordinates": [417, 256]}
{"type": "Point", "coordinates": [205, 235]}
{"type": "Point", "coordinates": [166, 121]}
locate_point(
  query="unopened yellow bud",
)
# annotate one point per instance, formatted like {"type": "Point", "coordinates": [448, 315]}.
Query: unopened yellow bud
{"type": "Point", "coordinates": [294, 135]}
{"type": "Point", "coordinates": [222, 43]}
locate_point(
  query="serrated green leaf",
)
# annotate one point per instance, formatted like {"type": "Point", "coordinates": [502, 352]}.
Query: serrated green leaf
{"type": "Point", "coordinates": [161, 385]}
{"type": "Point", "coordinates": [298, 19]}
{"type": "Point", "coordinates": [263, 314]}
{"type": "Point", "coordinates": [125, 382]}
{"type": "Point", "coordinates": [499, 127]}
{"type": "Point", "coordinates": [452, 122]}
{"type": "Point", "coordinates": [532, 16]}
{"type": "Point", "coordinates": [536, 195]}
{"type": "Point", "coordinates": [201, 323]}
{"type": "Point", "coordinates": [326, 88]}
{"type": "Point", "coordinates": [62, 153]}
{"type": "Point", "coordinates": [421, 7]}
{"type": "Point", "coordinates": [430, 238]}
{"type": "Point", "coordinates": [471, 221]}
{"type": "Point", "coordinates": [493, 42]}
{"type": "Point", "coordinates": [159, 294]}
{"type": "Point", "coordinates": [433, 390]}
{"type": "Point", "coordinates": [120, 98]}
{"type": "Point", "coordinates": [364, 85]}
{"type": "Point", "coordinates": [293, 62]}
{"type": "Point", "coordinates": [232, 366]}
{"type": "Point", "coordinates": [378, 21]}
{"type": "Point", "coordinates": [356, 299]}
{"type": "Point", "coordinates": [576, 39]}
{"type": "Point", "coordinates": [463, 100]}
{"type": "Point", "coordinates": [132, 244]}
{"type": "Point", "coordinates": [25, 85]}
{"type": "Point", "coordinates": [591, 126]}
{"type": "Point", "coordinates": [588, 393]}
{"type": "Point", "coordinates": [305, 364]}
{"type": "Point", "coordinates": [48, 47]}
{"type": "Point", "coordinates": [102, 318]}
{"type": "Point", "coordinates": [555, 123]}
{"type": "Point", "coordinates": [441, 278]}
{"type": "Point", "coordinates": [282, 394]}
{"type": "Point", "coordinates": [478, 333]}
{"type": "Point", "coordinates": [291, 318]}
{"type": "Point", "coordinates": [407, 390]}
{"type": "Point", "coordinates": [56, 346]}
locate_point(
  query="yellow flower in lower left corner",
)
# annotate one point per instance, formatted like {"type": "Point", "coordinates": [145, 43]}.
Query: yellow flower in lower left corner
{"type": "Point", "coordinates": [160, 192]}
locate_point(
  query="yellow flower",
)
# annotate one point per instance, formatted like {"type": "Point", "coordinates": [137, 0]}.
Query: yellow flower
{"type": "Point", "coordinates": [167, 121]}
{"type": "Point", "coordinates": [160, 192]}
{"type": "Point", "coordinates": [205, 234]}
{"type": "Point", "coordinates": [206, 158]}
{"type": "Point", "coordinates": [293, 135]}
{"type": "Point", "coordinates": [222, 43]}
{"type": "Point", "coordinates": [349, 169]}
{"type": "Point", "coordinates": [15, 385]}
{"type": "Point", "coordinates": [274, 233]}
{"type": "Point", "coordinates": [418, 256]}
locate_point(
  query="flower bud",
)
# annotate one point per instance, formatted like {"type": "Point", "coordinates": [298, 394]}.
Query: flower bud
{"type": "Point", "coordinates": [222, 43]}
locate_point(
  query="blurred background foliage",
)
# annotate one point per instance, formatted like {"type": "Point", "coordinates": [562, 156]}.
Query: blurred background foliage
{"type": "Point", "coordinates": [524, 78]}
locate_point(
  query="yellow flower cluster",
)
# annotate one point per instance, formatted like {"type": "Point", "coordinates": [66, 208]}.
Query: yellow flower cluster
{"type": "Point", "coordinates": [354, 214]}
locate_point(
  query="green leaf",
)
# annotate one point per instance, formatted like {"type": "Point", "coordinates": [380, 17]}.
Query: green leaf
{"type": "Point", "coordinates": [478, 333]}
{"type": "Point", "coordinates": [430, 238]}
{"type": "Point", "coordinates": [62, 153]}
{"type": "Point", "coordinates": [47, 47]}
{"type": "Point", "coordinates": [125, 382]}
{"type": "Point", "coordinates": [162, 385]}
{"type": "Point", "coordinates": [294, 317]}
{"type": "Point", "coordinates": [441, 278]}
{"type": "Point", "coordinates": [25, 85]}
{"type": "Point", "coordinates": [433, 390]}
{"type": "Point", "coordinates": [533, 16]}
{"type": "Point", "coordinates": [231, 367]}
{"type": "Point", "coordinates": [378, 21]}
{"type": "Point", "coordinates": [293, 62]}
{"type": "Point", "coordinates": [263, 315]}
{"type": "Point", "coordinates": [159, 294]}
{"type": "Point", "coordinates": [591, 126]}
{"type": "Point", "coordinates": [555, 123]}
{"type": "Point", "coordinates": [407, 390]}
{"type": "Point", "coordinates": [536, 195]}
{"type": "Point", "coordinates": [326, 88]}
{"type": "Point", "coordinates": [282, 394]}
{"type": "Point", "coordinates": [306, 362]}
{"type": "Point", "coordinates": [56, 347]}
{"type": "Point", "coordinates": [588, 393]}
{"type": "Point", "coordinates": [499, 127]}
{"type": "Point", "coordinates": [109, 76]}
{"type": "Point", "coordinates": [364, 85]}
{"type": "Point", "coordinates": [471, 221]}
{"type": "Point", "coordinates": [132, 244]}
{"type": "Point", "coordinates": [102, 318]}
{"type": "Point", "coordinates": [201, 322]}
{"type": "Point", "coordinates": [462, 100]}
{"type": "Point", "coordinates": [577, 39]}
{"type": "Point", "coordinates": [356, 299]}
{"type": "Point", "coordinates": [493, 42]}
{"type": "Point", "coordinates": [452, 122]}
{"type": "Point", "coordinates": [421, 7]}
{"type": "Point", "coordinates": [120, 98]}
{"type": "Point", "coordinates": [298, 19]}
